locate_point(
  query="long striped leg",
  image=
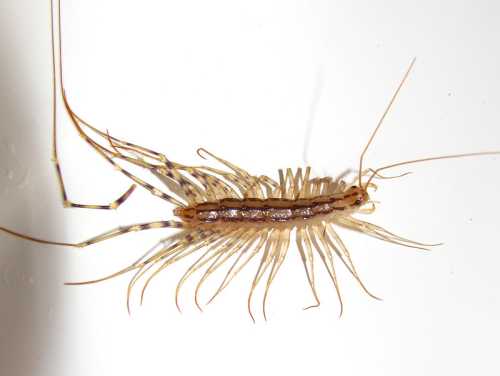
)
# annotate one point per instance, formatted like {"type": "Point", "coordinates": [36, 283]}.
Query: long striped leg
{"type": "Point", "coordinates": [183, 186]}
{"type": "Point", "coordinates": [105, 236]}
{"type": "Point", "coordinates": [173, 249]}
{"type": "Point", "coordinates": [131, 228]}
{"type": "Point", "coordinates": [173, 246]}
{"type": "Point", "coordinates": [55, 159]}
{"type": "Point", "coordinates": [121, 144]}
{"type": "Point", "coordinates": [136, 265]}
{"type": "Point", "coordinates": [182, 240]}
{"type": "Point", "coordinates": [103, 151]}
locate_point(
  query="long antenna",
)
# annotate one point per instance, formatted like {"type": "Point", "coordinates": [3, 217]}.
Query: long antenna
{"type": "Point", "coordinates": [54, 83]}
{"type": "Point", "coordinates": [312, 113]}
{"type": "Point", "coordinates": [451, 156]}
{"type": "Point", "coordinates": [381, 120]}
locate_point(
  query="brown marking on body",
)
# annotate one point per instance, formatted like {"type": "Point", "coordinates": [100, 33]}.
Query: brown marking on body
{"type": "Point", "coordinates": [271, 210]}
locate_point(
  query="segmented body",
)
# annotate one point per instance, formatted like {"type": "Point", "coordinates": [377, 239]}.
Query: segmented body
{"type": "Point", "coordinates": [236, 216]}
{"type": "Point", "coordinates": [306, 205]}
{"type": "Point", "coordinates": [229, 216]}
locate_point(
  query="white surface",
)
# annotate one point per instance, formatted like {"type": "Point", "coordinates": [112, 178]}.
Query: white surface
{"type": "Point", "coordinates": [240, 79]}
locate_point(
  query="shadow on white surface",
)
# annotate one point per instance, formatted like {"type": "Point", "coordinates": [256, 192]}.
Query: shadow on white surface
{"type": "Point", "coordinates": [30, 275]}
{"type": "Point", "coordinates": [239, 79]}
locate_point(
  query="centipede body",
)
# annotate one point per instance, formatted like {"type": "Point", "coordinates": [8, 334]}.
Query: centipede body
{"type": "Point", "coordinates": [228, 216]}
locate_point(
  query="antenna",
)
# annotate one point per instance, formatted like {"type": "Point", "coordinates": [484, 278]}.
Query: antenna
{"type": "Point", "coordinates": [381, 120]}
{"type": "Point", "coordinates": [421, 160]}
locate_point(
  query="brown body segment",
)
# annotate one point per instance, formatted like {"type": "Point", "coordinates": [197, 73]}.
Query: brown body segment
{"type": "Point", "coordinates": [270, 210]}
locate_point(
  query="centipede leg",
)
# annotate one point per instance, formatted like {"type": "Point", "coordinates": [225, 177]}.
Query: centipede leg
{"type": "Point", "coordinates": [316, 235]}
{"type": "Point", "coordinates": [235, 268]}
{"type": "Point", "coordinates": [100, 149]}
{"type": "Point", "coordinates": [308, 262]}
{"type": "Point", "coordinates": [105, 236]}
{"type": "Point", "coordinates": [55, 158]}
{"type": "Point", "coordinates": [279, 256]}
{"type": "Point", "coordinates": [265, 261]}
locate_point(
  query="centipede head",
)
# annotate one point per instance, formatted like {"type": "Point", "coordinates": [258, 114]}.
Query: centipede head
{"type": "Point", "coordinates": [186, 214]}
{"type": "Point", "coordinates": [356, 196]}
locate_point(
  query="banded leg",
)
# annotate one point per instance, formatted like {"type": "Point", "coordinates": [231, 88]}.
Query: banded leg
{"type": "Point", "coordinates": [172, 249]}
{"type": "Point", "coordinates": [131, 228]}
{"type": "Point", "coordinates": [192, 192]}
{"type": "Point", "coordinates": [182, 186]}
{"type": "Point", "coordinates": [105, 236]}
{"type": "Point", "coordinates": [70, 204]}
{"type": "Point", "coordinates": [158, 256]}
{"type": "Point", "coordinates": [117, 143]}
{"type": "Point", "coordinates": [221, 188]}
{"type": "Point", "coordinates": [103, 151]}
{"type": "Point", "coordinates": [256, 191]}
{"type": "Point", "coordinates": [55, 158]}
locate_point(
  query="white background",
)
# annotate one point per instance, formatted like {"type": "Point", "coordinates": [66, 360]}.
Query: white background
{"type": "Point", "coordinates": [244, 79]}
